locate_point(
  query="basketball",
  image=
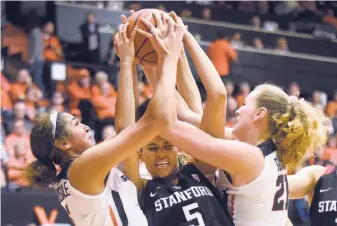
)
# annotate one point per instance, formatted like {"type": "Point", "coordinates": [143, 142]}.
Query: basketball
{"type": "Point", "coordinates": [145, 54]}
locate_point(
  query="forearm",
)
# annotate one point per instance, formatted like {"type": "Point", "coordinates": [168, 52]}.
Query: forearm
{"type": "Point", "coordinates": [187, 86]}
{"type": "Point", "coordinates": [125, 104]}
{"type": "Point", "coordinates": [206, 70]}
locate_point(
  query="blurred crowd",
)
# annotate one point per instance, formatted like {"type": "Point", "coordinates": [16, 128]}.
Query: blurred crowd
{"type": "Point", "coordinates": [90, 95]}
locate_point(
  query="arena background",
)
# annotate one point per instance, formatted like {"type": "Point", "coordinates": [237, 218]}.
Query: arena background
{"type": "Point", "coordinates": [291, 44]}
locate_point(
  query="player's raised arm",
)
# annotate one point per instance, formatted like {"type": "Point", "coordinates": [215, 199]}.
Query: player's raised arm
{"type": "Point", "coordinates": [303, 182]}
{"type": "Point", "coordinates": [87, 173]}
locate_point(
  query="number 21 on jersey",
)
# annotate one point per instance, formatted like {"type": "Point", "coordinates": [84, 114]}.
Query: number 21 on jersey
{"type": "Point", "coordinates": [281, 203]}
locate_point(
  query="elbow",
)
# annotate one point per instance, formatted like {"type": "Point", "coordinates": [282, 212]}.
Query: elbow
{"type": "Point", "coordinates": [220, 94]}
{"type": "Point", "coordinates": [160, 119]}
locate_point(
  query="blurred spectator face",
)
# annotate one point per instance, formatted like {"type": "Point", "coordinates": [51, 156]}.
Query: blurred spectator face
{"type": "Point", "coordinates": [282, 44]}
{"type": "Point", "coordinates": [24, 76]}
{"type": "Point", "coordinates": [206, 14]}
{"type": "Point", "coordinates": [316, 97]}
{"type": "Point", "coordinates": [57, 98]}
{"type": "Point", "coordinates": [19, 110]}
{"type": "Point", "coordinates": [245, 88]}
{"type": "Point", "coordinates": [49, 28]}
{"type": "Point", "coordinates": [105, 89]}
{"type": "Point", "coordinates": [258, 43]}
{"type": "Point", "coordinates": [229, 87]}
{"type": "Point", "coordinates": [108, 131]}
{"type": "Point", "coordinates": [91, 18]}
{"type": "Point", "coordinates": [33, 95]}
{"type": "Point", "coordinates": [19, 128]}
{"type": "Point", "coordinates": [256, 22]}
{"type": "Point", "coordinates": [85, 81]}
{"type": "Point", "coordinates": [232, 106]}
{"type": "Point", "coordinates": [263, 7]}
{"type": "Point", "coordinates": [294, 88]}
{"type": "Point", "coordinates": [20, 150]}
{"type": "Point", "coordinates": [236, 37]}
{"type": "Point", "coordinates": [101, 78]}
{"type": "Point", "coordinates": [186, 13]}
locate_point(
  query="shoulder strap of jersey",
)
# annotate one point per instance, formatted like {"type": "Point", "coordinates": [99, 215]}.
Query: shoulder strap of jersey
{"type": "Point", "coordinates": [63, 175]}
{"type": "Point", "coordinates": [267, 147]}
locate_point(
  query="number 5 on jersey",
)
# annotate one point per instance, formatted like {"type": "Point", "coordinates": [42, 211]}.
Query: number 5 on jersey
{"type": "Point", "coordinates": [281, 204]}
{"type": "Point", "coordinates": [189, 217]}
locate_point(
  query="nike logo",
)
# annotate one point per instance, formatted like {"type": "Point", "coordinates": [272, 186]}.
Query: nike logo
{"type": "Point", "coordinates": [324, 190]}
{"type": "Point", "coordinates": [154, 194]}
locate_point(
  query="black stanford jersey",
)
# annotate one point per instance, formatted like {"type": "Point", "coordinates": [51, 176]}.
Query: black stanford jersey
{"type": "Point", "coordinates": [193, 201]}
{"type": "Point", "coordinates": [323, 209]}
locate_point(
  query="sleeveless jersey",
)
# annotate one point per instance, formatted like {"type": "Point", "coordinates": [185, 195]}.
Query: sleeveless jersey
{"type": "Point", "coordinates": [117, 205]}
{"type": "Point", "coordinates": [264, 201]}
{"type": "Point", "coordinates": [323, 209]}
{"type": "Point", "coordinates": [193, 201]}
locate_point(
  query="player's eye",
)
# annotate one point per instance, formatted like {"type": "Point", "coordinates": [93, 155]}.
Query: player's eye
{"type": "Point", "coordinates": [153, 149]}
{"type": "Point", "coordinates": [168, 147]}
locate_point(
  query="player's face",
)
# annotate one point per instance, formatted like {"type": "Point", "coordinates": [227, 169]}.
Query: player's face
{"type": "Point", "coordinates": [80, 137]}
{"type": "Point", "coordinates": [160, 158]}
{"type": "Point", "coordinates": [245, 116]}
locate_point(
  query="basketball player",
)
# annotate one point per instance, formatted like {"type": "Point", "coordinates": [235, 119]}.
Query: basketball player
{"type": "Point", "coordinates": [320, 185]}
{"type": "Point", "coordinates": [60, 139]}
{"type": "Point", "coordinates": [179, 196]}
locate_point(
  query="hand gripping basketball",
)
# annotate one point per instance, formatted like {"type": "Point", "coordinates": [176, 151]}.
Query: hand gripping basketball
{"type": "Point", "coordinates": [125, 45]}
{"type": "Point", "coordinates": [170, 44]}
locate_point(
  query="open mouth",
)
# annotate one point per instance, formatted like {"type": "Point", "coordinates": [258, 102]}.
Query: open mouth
{"type": "Point", "coordinates": [162, 164]}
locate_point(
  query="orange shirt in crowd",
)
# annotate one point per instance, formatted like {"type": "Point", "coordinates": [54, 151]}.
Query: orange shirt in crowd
{"type": "Point", "coordinates": [97, 92]}
{"type": "Point", "coordinates": [331, 20]}
{"type": "Point", "coordinates": [331, 108]}
{"type": "Point", "coordinates": [221, 53]}
{"type": "Point", "coordinates": [77, 93]}
{"type": "Point", "coordinates": [332, 154]}
{"type": "Point", "coordinates": [5, 102]}
{"type": "Point", "coordinates": [30, 110]}
{"type": "Point", "coordinates": [16, 172]}
{"type": "Point", "coordinates": [105, 106]}
{"type": "Point", "coordinates": [18, 91]}
{"type": "Point", "coordinates": [240, 99]}
{"type": "Point", "coordinates": [52, 50]}
{"type": "Point", "coordinates": [12, 139]}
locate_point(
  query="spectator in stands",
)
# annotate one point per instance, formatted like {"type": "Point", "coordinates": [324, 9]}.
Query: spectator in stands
{"type": "Point", "coordinates": [282, 45]}
{"type": "Point", "coordinates": [57, 102]}
{"type": "Point", "coordinates": [35, 49]}
{"type": "Point", "coordinates": [52, 48]}
{"type": "Point", "coordinates": [317, 100]}
{"type": "Point", "coordinates": [135, 6]}
{"type": "Point", "coordinates": [145, 92]}
{"type": "Point", "coordinates": [236, 40]}
{"type": "Point", "coordinates": [79, 90]}
{"type": "Point", "coordinates": [331, 149]}
{"type": "Point", "coordinates": [6, 102]}
{"type": "Point", "coordinates": [101, 78]}
{"type": "Point", "coordinates": [330, 18]}
{"type": "Point", "coordinates": [104, 103]}
{"type": "Point", "coordinates": [232, 105]}
{"type": "Point", "coordinates": [247, 6]}
{"type": "Point", "coordinates": [108, 131]}
{"type": "Point", "coordinates": [263, 7]}
{"type": "Point", "coordinates": [33, 108]}
{"type": "Point", "coordinates": [206, 14]}
{"type": "Point", "coordinates": [17, 163]}
{"type": "Point", "coordinates": [90, 39]}
{"type": "Point", "coordinates": [186, 13]}
{"type": "Point", "coordinates": [112, 60]}
{"type": "Point", "coordinates": [258, 44]}
{"type": "Point", "coordinates": [19, 135]}
{"type": "Point", "coordinates": [244, 91]}
{"type": "Point", "coordinates": [19, 113]}
{"type": "Point", "coordinates": [256, 22]}
{"type": "Point", "coordinates": [221, 53]}
{"type": "Point", "coordinates": [334, 122]}
{"type": "Point", "coordinates": [18, 88]}
{"type": "Point", "coordinates": [294, 88]}
{"type": "Point", "coordinates": [332, 106]}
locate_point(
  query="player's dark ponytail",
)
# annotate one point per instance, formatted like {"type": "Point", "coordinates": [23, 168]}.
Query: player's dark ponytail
{"type": "Point", "coordinates": [42, 172]}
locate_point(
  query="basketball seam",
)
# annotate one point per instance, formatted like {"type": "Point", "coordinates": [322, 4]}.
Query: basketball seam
{"type": "Point", "coordinates": [134, 28]}
{"type": "Point", "coordinates": [141, 60]}
{"type": "Point", "coordinates": [150, 61]}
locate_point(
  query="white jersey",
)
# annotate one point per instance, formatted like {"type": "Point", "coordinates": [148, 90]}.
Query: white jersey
{"type": "Point", "coordinates": [264, 201]}
{"type": "Point", "coordinates": [117, 205]}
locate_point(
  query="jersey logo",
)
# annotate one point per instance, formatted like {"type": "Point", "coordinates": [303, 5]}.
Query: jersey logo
{"type": "Point", "coordinates": [124, 178]}
{"type": "Point", "coordinates": [196, 177]}
{"type": "Point", "coordinates": [154, 194]}
{"type": "Point", "coordinates": [324, 190]}
{"type": "Point", "coordinates": [177, 187]}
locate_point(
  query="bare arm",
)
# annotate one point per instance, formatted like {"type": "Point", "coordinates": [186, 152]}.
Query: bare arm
{"type": "Point", "coordinates": [187, 86]}
{"type": "Point", "coordinates": [87, 173]}
{"type": "Point", "coordinates": [303, 182]}
{"type": "Point", "coordinates": [233, 156]}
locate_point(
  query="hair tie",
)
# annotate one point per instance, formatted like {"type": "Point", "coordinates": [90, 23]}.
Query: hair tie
{"type": "Point", "coordinates": [53, 119]}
